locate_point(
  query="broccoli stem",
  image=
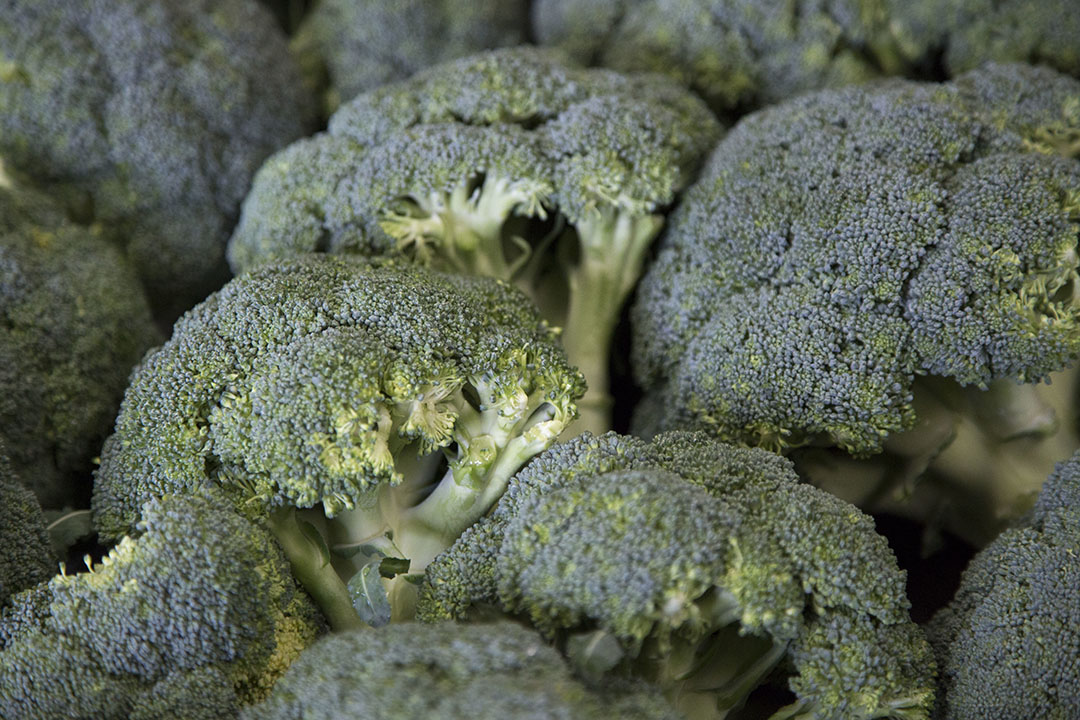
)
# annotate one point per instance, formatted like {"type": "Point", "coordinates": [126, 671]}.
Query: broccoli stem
{"type": "Point", "coordinates": [612, 249]}
{"type": "Point", "coordinates": [465, 226]}
{"type": "Point", "coordinates": [423, 515]}
{"type": "Point", "coordinates": [311, 565]}
{"type": "Point", "coordinates": [492, 447]}
{"type": "Point", "coordinates": [712, 674]}
{"type": "Point", "coordinates": [975, 460]}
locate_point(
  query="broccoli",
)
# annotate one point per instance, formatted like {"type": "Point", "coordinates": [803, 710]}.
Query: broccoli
{"type": "Point", "coordinates": [882, 269]}
{"type": "Point", "coordinates": [699, 566]}
{"type": "Point", "coordinates": [25, 556]}
{"type": "Point", "coordinates": [394, 400]}
{"type": "Point", "coordinates": [744, 54]}
{"type": "Point", "coordinates": [511, 164]}
{"type": "Point", "coordinates": [960, 35]}
{"type": "Point", "coordinates": [149, 118]}
{"type": "Point", "coordinates": [192, 618]}
{"type": "Point", "coordinates": [446, 671]}
{"type": "Point", "coordinates": [347, 47]}
{"type": "Point", "coordinates": [1009, 643]}
{"type": "Point", "coordinates": [737, 54]}
{"type": "Point", "coordinates": [73, 322]}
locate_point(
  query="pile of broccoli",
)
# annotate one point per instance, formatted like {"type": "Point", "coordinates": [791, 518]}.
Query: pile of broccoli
{"type": "Point", "coordinates": [643, 359]}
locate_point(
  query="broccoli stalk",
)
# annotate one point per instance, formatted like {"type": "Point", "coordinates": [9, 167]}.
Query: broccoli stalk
{"type": "Point", "coordinates": [976, 455]}
{"type": "Point", "coordinates": [465, 226]}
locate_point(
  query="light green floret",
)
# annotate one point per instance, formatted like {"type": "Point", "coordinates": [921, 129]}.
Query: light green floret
{"type": "Point", "coordinates": [373, 411]}
{"type": "Point", "coordinates": [450, 672]}
{"type": "Point", "coordinates": [511, 164]}
{"type": "Point", "coordinates": [192, 617]}
{"type": "Point", "coordinates": [701, 567]}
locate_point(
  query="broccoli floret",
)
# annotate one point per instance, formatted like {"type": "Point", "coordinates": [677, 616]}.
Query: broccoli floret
{"type": "Point", "coordinates": [201, 604]}
{"type": "Point", "coordinates": [708, 564]}
{"type": "Point", "coordinates": [890, 268]}
{"type": "Point", "coordinates": [73, 322]}
{"type": "Point", "coordinates": [25, 556]}
{"type": "Point", "coordinates": [1009, 643]}
{"type": "Point", "coordinates": [347, 47]}
{"type": "Point", "coordinates": [150, 118]}
{"type": "Point", "coordinates": [511, 164]}
{"type": "Point", "coordinates": [736, 54]}
{"type": "Point", "coordinates": [394, 400]}
{"type": "Point", "coordinates": [446, 671]}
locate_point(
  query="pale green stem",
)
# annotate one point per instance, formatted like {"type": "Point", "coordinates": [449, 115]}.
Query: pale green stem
{"type": "Point", "coordinates": [312, 568]}
{"type": "Point", "coordinates": [613, 245]}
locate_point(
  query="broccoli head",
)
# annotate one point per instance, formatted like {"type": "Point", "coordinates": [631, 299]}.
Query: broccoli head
{"type": "Point", "coordinates": [347, 47]}
{"type": "Point", "coordinates": [395, 400]}
{"type": "Point", "coordinates": [447, 671]}
{"type": "Point", "coordinates": [25, 556]}
{"type": "Point", "coordinates": [736, 54]}
{"type": "Point", "coordinates": [511, 164]}
{"type": "Point", "coordinates": [888, 268]}
{"type": "Point", "coordinates": [699, 566]}
{"type": "Point", "coordinates": [1009, 643]}
{"type": "Point", "coordinates": [150, 118]}
{"type": "Point", "coordinates": [743, 54]}
{"type": "Point", "coordinates": [193, 617]}
{"type": "Point", "coordinates": [960, 35]}
{"type": "Point", "coordinates": [73, 322]}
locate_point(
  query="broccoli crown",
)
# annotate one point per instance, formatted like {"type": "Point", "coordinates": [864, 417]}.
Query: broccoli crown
{"type": "Point", "coordinates": [151, 117]}
{"type": "Point", "coordinates": [200, 604]}
{"type": "Point", "coordinates": [1009, 643]}
{"type": "Point", "coordinates": [462, 148]}
{"type": "Point", "coordinates": [73, 321]}
{"type": "Point", "coordinates": [734, 53]}
{"type": "Point", "coordinates": [447, 671]}
{"type": "Point", "coordinates": [25, 556]}
{"type": "Point", "coordinates": [968, 33]}
{"type": "Point", "coordinates": [741, 54]}
{"type": "Point", "coordinates": [662, 545]}
{"type": "Point", "coordinates": [843, 243]}
{"type": "Point", "coordinates": [305, 382]}
{"type": "Point", "coordinates": [357, 46]}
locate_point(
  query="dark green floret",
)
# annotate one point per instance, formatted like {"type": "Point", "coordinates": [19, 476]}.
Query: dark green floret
{"type": "Point", "coordinates": [25, 556]}
{"type": "Point", "coordinates": [393, 401]}
{"type": "Point", "coordinates": [347, 47]}
{"type": "Point", "coordinates": [1009, 643]}
{"type": "Point", "coordinates": [73, 322]}
{"type": "Point", "coordinates": [150, 118]}
{"type": "Point", "coordinates": [447, 671]}
{"type": "Point", "coordinates": [700, 567]}
{"type": "Point", "coordinates": [512, 164]}
{"type": "Point", "coordinates": [889, 268]}
{"type": "Point", "coordinates": [192, 617]}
